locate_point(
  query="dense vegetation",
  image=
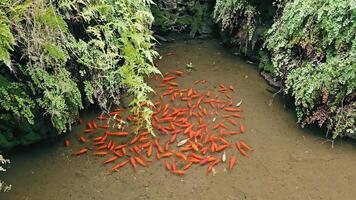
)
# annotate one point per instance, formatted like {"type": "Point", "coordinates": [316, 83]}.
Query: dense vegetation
{"type": "Point", "coordinates": [191, 16]}
{"type": "Point", "coordinates": [60, 57]}
{"type": "Point", "coordinates": [313, 52]}
{"type": "Point", "coordinates": [307, 47]}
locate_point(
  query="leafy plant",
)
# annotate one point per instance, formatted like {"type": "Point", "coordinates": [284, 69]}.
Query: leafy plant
{"type": "Point", "coordinates": [3, 186]}
{"type": "Point", "coordinates": [238, 19]}
{"type": "Point", "coordinates": [313, 52]}
{"type": "Point", "coordinates": [193, 16]}
{"type": "Point", "coordinates": [50, 67]}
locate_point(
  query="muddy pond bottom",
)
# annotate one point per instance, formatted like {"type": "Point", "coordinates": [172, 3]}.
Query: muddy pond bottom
{"type": "Point", "coordinates": [288, 162]}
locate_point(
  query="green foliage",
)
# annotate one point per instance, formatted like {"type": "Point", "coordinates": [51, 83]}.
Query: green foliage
{"type": "Point", "coordinates": [313, 51]}
{"type": "Point", "coordinates": [238, 18]}
{"type": "Point", "coordinates": [14, 99]}
{"type": "Point", "coordinates": [193, 16]}
{"type": "Point", "coordinates": [344, 122]}
{"type": "Point", "coordinates": [52, 66]}
{"type": "Point", "coordinates": [123, 37]}
{"type": "Point", "coordinates": [265, 62]}
{"type": "Point", "coordinates": [226, 11]}
{"type": "Point", "coordinates": [7, 40]}
{"type": "Point", "coordinates": [3, 186]}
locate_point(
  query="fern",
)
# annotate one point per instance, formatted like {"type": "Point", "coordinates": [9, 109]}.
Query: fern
{"type": "Point", "coordinates": [7, 40]}
{"type": "Point", "coordinates": [54, 70]}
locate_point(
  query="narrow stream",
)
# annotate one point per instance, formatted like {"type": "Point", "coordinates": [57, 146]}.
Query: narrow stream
{"type": "Point", "coordinates": [288, 162]}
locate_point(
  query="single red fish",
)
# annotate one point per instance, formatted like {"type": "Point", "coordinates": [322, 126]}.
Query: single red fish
{"type": "Point", "coordinates": [170, 54]}
{"type": "Point", "coordinates": [187, 166]}
{"type": "Point", "coordinates": [119, 165]}
{"type": "Point", "coordinates": [167, 165]}
{"type": "Point", "coordinates": [179, 73]}
{"type": "Point", "coordinates": [133, 163]}
{"type": "Point", "coordinates": [232, 162]}
{"type": "Point", "coordinates": [66, 143]}
{"type": "Point", "coordinates": [81, 151]}
{"type": "Point", "coordinates": [242, 128]}
{"type": "Point", "coordinates": [178, 172]}
{"type": "Point", "coordinates": [112, 159]}
{"type": "Point", "coordinates": [140, 161]}
{"type": "Point", "coordinates": [231, 88]}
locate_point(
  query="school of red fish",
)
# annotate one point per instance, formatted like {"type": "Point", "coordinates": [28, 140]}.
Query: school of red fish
{"type": "Point", "coordinates": [192, 127]}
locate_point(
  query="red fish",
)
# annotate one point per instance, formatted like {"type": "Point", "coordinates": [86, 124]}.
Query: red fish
{"type": "Point", "coordinates": [167, 165]}
{"type": "Point", "coordinates": [242, 128]}
{"type": "Point", "coordinates": [119, 165]}
{"type": "Point", "coordinates": [232, 162]}
{"type": "Point", "coordinates": [140, 161]}
{"type": "Point", "coordinates": [231, 88]}
{"type": "Point", "coordinates": [112, 159]}
{"type": "Point", "coordinates": [66, 143]}
{"type": "Point", "coordinates": [179, 73]}
{"type": "Point", "coordinates": [178, 172]}
{"type": "Point", "coordinates": [81, 151]}
{"type": "Point", "coordinates": [244, 145]}
{"type": "Point", "coordinates": [133, 163]}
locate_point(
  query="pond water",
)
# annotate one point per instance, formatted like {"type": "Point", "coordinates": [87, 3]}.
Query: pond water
{"type": "Point", "coordinates": [288, 162]}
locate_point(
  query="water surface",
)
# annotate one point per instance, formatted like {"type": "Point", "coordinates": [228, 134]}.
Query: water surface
{"type": "Point", "coordinates": [288, 162]}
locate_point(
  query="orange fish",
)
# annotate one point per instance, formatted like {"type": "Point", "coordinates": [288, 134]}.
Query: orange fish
{"type": "Point", "coordinates": [179, 172]}
{"type": "Point", "coordinates": [166, 155]}
{"type": "Point", "coordinates": [119, 165]}
{"type": "Point", "coordinates": [179, 73]}
{"type": "Point", "coordinates": [66, 143]}
{"type": "Point", "coordinates": [172, 138]}
{"type": "Point", "coordinates": [243, 144]}
{"type": "Point", "coordinates": [140, 161]}
{"type": "Point", "coordinates": [100, 153]}
{"type": "Point", "coordinates": [158, 146]}
{"type": "Point", "coordinates": [112, 159]}
{"type": "Point", "coordinates": [95, 126]}
{"type": "Point", "coordinates": [237, 115]}
{"type": "Point", "coordinates": [167, 165]}
{"type": "Point", "coordinates": [81, 151]}
{"type": "Point", "coordinates": [186, 167]}
{"type": "Point", "coordinates": [83, 139]}
{"type": "Point", "coordinates": [231, 88]}
{"type": "Point", "coordinates": [149, 151]}
{"type": "Point", "coordinates": [242, 152]}
{"type": "Point", "coordinates": [180, 155]}
{"type": "Point", "coordinates": [172, 83]}
{"type": "Point", "coordinates": [121, 134]}
{"type": "Point", "coordinates": [170, 54]}
{"type": "Point", "coordinates": [232, 162]}
{"type": "Point", "coordinates": [190, 92]}
{"type": "Point", "coordinates": [242, 128]}
{"type": "Point", "coordinates": [90, 126]}
{"type": "Point", "coordinates": [169, 78]}
{"type": "Point", "coordinates": [133, 163]}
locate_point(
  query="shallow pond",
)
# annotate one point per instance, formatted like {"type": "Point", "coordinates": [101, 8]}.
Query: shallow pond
{"type": "Point", "coordinates": [288, 162]}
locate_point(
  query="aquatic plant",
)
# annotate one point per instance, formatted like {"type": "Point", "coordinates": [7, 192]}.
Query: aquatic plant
{"type": "Point", "coordinates": [57, 58]}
